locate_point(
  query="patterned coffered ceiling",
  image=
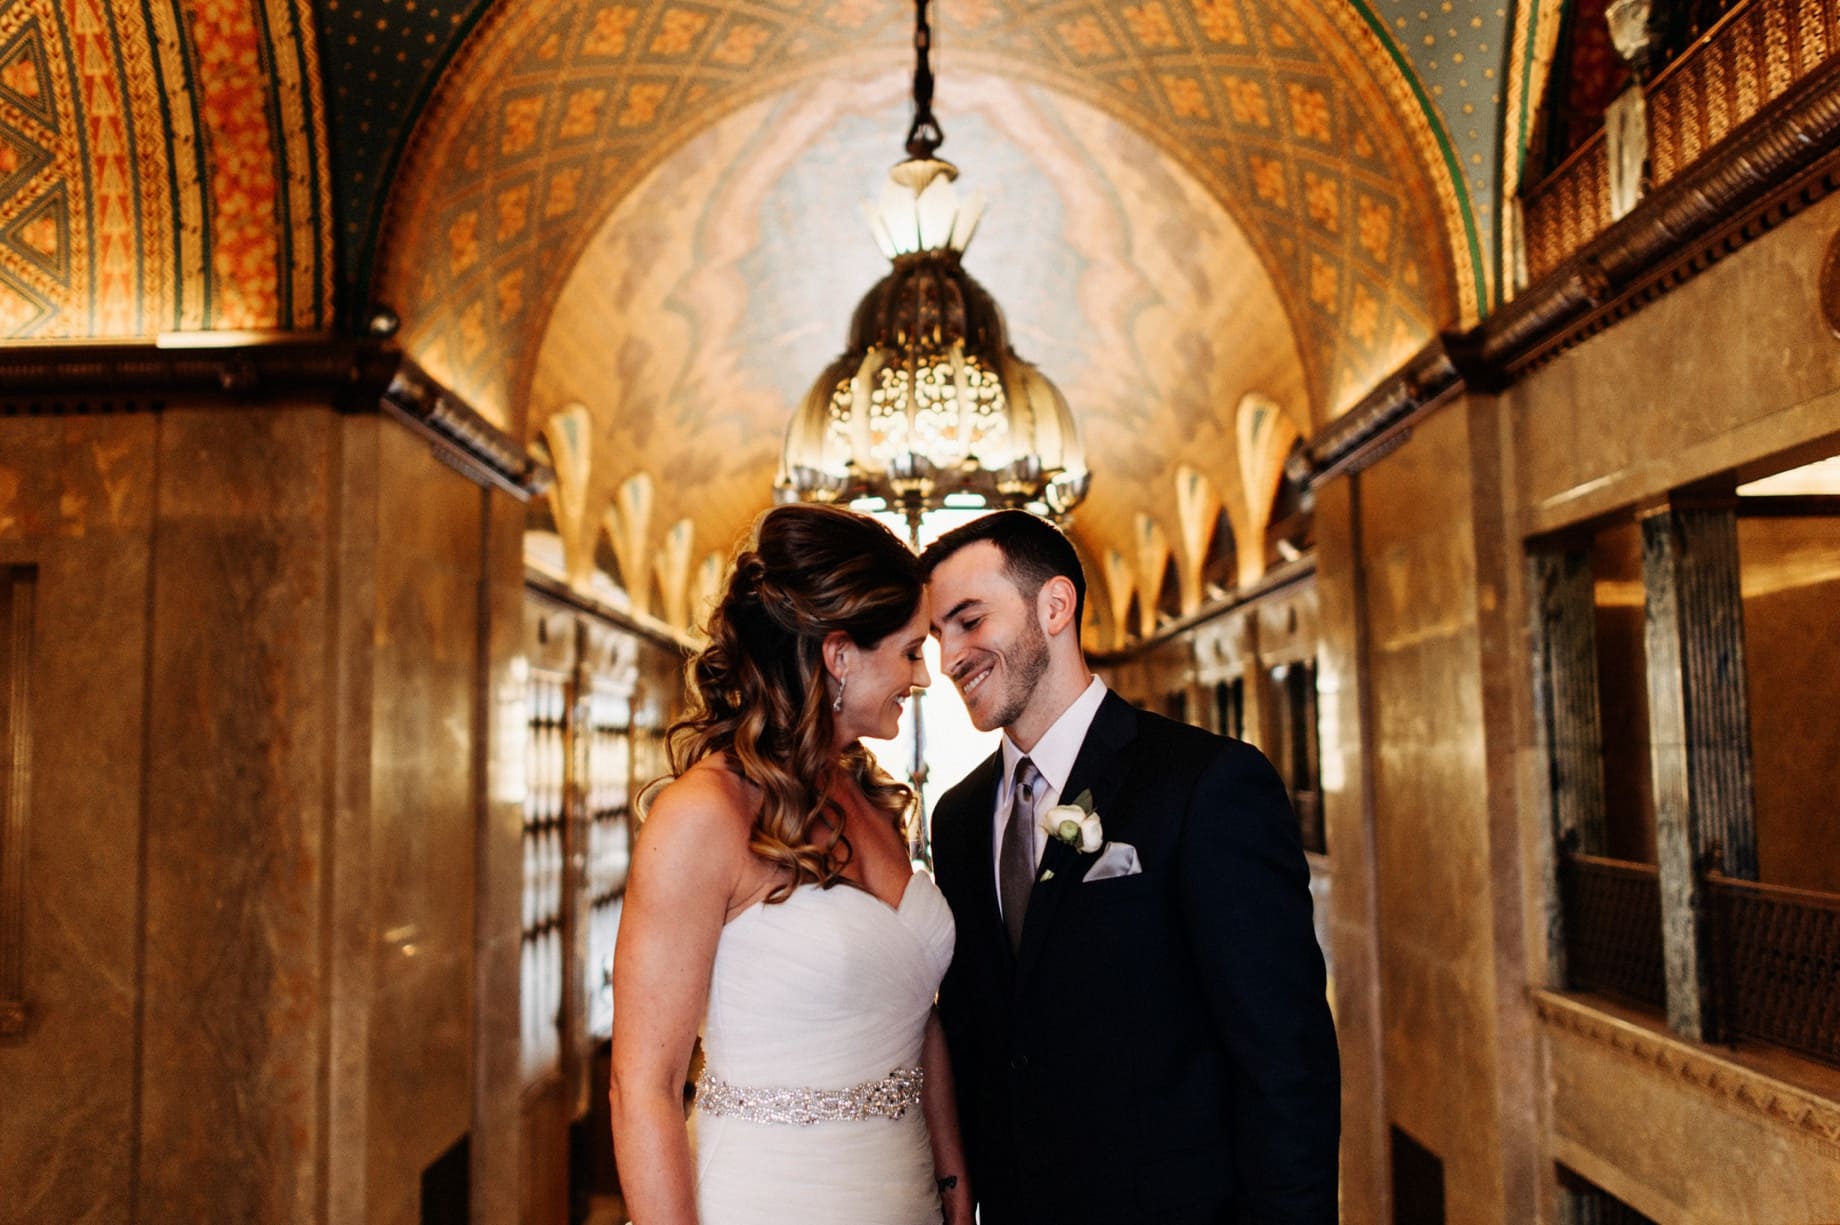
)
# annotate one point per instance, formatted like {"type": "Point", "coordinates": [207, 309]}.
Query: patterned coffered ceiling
{"type": "Point", "coordinates": [283, 164]}
{"type": "Point", "coordinates": [1450, 57]}
{"type": "Point", "coordinates": [1295, 117]}
{"type": "Point", "coordinates": [723, 282]}
{"type": "Point", "coordinates": [172, 165]}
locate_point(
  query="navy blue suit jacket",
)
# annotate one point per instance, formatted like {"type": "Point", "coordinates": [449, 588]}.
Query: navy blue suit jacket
{"type": "Point", "coordinates": [1160, 1050]}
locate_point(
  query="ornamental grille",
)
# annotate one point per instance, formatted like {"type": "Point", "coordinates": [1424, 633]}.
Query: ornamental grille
{"type": "Point", "coordinates": [1776, 964]}
{"type": "Point", "coordinates": [1613, 928]}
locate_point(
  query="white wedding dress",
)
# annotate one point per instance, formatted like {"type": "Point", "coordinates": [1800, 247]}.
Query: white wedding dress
{"type": "Point", "coordinates": [828, 990]}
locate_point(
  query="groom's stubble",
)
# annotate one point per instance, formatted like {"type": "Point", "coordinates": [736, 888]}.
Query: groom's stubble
{"type": "Point", "coordinates": [1028, 664]}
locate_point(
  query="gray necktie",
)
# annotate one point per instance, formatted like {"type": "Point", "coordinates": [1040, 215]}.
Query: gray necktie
{"type": "Point", "coordinates": [1016, 860]}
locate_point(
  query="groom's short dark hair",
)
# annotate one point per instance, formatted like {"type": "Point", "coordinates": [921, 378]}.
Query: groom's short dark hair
{"type": "Point", "coordinates": [1033, 549]}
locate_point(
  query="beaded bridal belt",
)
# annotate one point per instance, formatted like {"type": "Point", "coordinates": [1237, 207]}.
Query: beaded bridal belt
{"type": "Point", "coordinates": [889, 1097]}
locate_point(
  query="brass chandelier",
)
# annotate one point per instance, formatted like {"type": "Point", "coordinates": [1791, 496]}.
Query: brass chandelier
{"type": "Point", "coordinates": [929, 407]}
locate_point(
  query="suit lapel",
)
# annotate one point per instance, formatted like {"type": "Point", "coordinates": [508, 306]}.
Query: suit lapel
{"type": "Point", "coordinates": [986, 923]}
{"type": "Point", "coordinates": [1099, 768]}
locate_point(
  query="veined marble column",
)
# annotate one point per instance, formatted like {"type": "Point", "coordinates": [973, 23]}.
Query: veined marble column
{"type": "Point", "coordinates": [1699, 718]}
{"type": "Point", "coordinates": [1567, 718]}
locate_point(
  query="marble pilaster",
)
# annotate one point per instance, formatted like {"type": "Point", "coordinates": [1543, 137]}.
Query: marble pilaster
{"type": "Point", "coordinates": [232, 976]}
{"type": "Point", "coordinates": [1567, 725]}
{"type": "Point", "coordinates": [496, 1160]}
{"type": "Point", "coordinates": [1567, 712]}
{"type": "Point", "coordinates": [1348, 826]}
{"type": "Point", "coordinates": [350, 918]}
{"type": "Point", "coordinates": [1434, 809]}
{"type": "Point", "coordinates": [1700, 728]}
{"type": "Point", "coordinates": [1504, 670]}
{"type": "Point", "coordinates": [426, 777]}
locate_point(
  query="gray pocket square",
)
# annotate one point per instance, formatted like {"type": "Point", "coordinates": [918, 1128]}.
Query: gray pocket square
{"type": "Point", "coordinates": [1116, 859]}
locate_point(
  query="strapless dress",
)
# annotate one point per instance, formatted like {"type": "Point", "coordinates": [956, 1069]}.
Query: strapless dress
{"type": "Point", "coordinates": [808, 1106]}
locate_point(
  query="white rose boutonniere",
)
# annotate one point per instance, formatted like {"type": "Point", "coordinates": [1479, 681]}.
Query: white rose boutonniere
{"type": "Point", "coordinates": [1076, 824]}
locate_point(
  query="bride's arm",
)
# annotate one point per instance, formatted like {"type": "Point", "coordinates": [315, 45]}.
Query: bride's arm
{"type": "Point", "coordinates": [939, 1101]}
{"type": "Point", "coordinates": [684, 870]}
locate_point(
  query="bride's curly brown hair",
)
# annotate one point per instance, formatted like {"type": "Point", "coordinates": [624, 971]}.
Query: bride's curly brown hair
{"type": "Point", "coordinates": [758, 692]}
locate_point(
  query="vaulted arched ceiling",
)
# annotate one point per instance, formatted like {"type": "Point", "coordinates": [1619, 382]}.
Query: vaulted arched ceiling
{"type": "Point", "coordinates": [163, 167]}
{"type": "Point", "coordinates": [1294, 116]}
{"type": "Point", "coordinates": [176, 166]}
{"type": "Point", "coordinates": [282, 164]}
{"type": "Point", "coordinates": [722, 284]}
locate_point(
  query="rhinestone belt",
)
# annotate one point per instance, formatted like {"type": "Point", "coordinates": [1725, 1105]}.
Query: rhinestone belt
{"type": "Point", "coordinates": [889, 1097]}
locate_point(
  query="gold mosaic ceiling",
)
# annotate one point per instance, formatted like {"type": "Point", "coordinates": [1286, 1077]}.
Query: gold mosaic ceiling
{"type": "Point", "coordinates": [588, 217]}
{"type": "Point", "coordinates": [1292, 115]}
{"type": "Point", "coordinates": [172, 166]}
{"type": "Point", "coordinates": [723, 283]}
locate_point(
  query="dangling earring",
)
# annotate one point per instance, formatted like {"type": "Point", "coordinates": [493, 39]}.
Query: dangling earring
{"type": "Point", "coordinates": [841, 682]}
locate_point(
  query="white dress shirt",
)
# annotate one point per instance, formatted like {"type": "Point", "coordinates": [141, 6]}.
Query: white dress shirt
{"type": "Point", "coordinates": [1053, 755]}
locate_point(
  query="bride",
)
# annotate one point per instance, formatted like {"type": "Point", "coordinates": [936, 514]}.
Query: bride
{"type": "Point", "coordinates": [772, 902]}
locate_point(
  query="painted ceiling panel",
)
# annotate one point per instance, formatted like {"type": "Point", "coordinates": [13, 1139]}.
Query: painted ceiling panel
{"type": "Point", "coordinates": [1458, 50]}
{"type": "Point", "coordinates": [207, 196]}
{"type": "Point", "coordinates": [701, 311]}
{"type": "Point", "coordinates": [382, 59]}
{"type": "Point", "coordinates": [1286, 113]}
{"type": "Point", "coordinates": [163, 167]}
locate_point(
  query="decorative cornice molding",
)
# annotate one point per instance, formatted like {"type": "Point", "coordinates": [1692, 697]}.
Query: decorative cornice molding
{"type": "Point", "coordinates": [354, 375]}
{"type": "Point", "coordinates": [1380, 420]}
{"type": "Point", "coordinates": [1279, 578]}
{"type": "Point", "coordinates": [557, 591]}
{"type": "Point", "coordinates": [1809, 1115]}
{"type": "Point", "coordinates": [1782, 160]}
{"type": "Point", "coordinates": [461, 436]}
{"type": "Point", "coordinates": [125, 376]}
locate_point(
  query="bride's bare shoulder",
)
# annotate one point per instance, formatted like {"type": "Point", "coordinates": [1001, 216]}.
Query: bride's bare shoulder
{"type": "Point", "coordinates": [708, 804]}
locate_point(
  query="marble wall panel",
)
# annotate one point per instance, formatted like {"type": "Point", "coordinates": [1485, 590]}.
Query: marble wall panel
{"type": "Point", "coordinates": [238, 721]}
{"type": "Point", "coordinates": [1790, 575]}
{"type": "Point", "coordinates": [1437, 962]}
{"type": "Point", "coordinates": [350, 919]}
{"type": "Point", "coordinates": [76, 501]}
{"type": "Point", "coordinates": [1353, 944]}
{"type": "Point", "coordinates": [253, 934]}
{"type": "Point", "coordinates": [1733, 366]}
{"type": "Point", "coordinates": [498, 900]}
{"type": "Point", "coordinates": [424, 814]}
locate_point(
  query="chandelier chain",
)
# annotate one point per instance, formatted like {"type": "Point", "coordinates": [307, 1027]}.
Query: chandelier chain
{"type": "Point", "coordinates": [924, 136]}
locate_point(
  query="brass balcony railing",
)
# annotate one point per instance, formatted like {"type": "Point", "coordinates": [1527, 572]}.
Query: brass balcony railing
{"type": "Point", "coordinates": [1775, 955]}
{"type": "Point", "coordinates": [1750, 57]}
{"type": "Point", "coordinates": [1568, 208]}
{"type": "Point", "coordinates": [1612, 917]}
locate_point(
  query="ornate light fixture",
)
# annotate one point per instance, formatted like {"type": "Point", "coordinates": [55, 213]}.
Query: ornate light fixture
{"type": "Point", "coordinates": [929, 407]}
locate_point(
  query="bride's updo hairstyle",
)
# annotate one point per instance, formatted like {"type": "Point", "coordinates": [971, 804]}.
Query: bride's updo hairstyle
{"type": "Point", "coordinates": [758, 691]}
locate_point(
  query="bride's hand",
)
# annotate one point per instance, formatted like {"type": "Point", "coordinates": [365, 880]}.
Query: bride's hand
{"type": "Point", "coordinates": [960, 1208]}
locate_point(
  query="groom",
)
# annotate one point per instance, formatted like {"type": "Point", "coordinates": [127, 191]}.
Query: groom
{"type": "Point", "coordinates": [1136, 1010]}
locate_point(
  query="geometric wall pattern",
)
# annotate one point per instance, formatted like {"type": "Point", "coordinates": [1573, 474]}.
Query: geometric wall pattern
{"type": "Point", "coordinates": [163, 167]}
{"type": "Point", "coordinates": [1290, 114]}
